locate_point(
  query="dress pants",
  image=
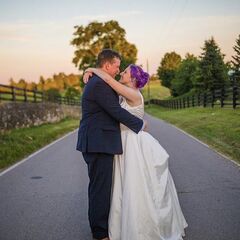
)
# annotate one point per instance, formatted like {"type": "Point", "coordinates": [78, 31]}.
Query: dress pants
{"type": "Point", "coordinates": [100, 167]}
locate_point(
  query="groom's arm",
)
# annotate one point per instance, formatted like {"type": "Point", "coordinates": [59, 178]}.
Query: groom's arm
{"type": "Point", "coordinates": [106, 98]}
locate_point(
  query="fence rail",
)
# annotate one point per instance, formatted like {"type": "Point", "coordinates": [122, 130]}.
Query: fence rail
{"type": "Point", "coordinates": [225, 97]}
{"type": "Point", "coordinates": [16, 94]}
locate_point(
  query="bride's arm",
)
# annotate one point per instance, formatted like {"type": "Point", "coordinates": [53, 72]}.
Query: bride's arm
{"type": "Point", "coordinates": [127, 92]}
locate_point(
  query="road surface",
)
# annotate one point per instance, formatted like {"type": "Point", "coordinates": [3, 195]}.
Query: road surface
{"type": "Point", "coordinates": [45, 196]}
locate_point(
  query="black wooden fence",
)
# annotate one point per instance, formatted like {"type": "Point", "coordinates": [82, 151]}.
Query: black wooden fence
{"type": "Point", "coordinates": [225, 97]}
{"type": "Point", "coordinates": [11, 93]}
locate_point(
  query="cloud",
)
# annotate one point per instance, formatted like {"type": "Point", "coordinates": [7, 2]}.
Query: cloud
{"type": "Point", "coordinates": [110, 16]}
{"type": "Point", "coordinates": [23, 31]}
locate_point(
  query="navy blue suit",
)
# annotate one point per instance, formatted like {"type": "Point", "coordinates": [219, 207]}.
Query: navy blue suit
{"type": "Point", "coordinates": [99, 138]}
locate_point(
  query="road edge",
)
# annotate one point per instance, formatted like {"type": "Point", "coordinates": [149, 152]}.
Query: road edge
{"type": "Point", "coordinates": [4, 171]}
{"type": "Point", "coordinates": [198, 140]}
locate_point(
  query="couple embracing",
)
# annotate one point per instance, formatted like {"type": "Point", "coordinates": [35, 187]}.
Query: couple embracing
{"type": "Point", "coordinates": [131, 192]}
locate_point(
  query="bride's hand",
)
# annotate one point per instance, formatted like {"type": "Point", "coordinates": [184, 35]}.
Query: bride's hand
{"type": "Point", "coordinates": [86, 76]}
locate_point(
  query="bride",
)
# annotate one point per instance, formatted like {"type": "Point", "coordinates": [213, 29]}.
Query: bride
{"type": "Point", "coordinates": [144, 202]}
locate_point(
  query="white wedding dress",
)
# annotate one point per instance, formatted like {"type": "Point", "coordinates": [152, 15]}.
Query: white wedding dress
{"type": "Point", "coordinates": [144, 203]}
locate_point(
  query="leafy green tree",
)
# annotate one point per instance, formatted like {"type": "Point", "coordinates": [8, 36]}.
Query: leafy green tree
{"type": "Point", "coordinates": [186, 75]}
{"type": "Point", "coordinates": [72, 92]}
{"type": "Point", "coordinates": [53, 94]}
{"type": "Point", "coordinates": [90, 40]}
{"type": "Point", "coordinates": [213, 69]}
{"type": "Point", "coordinates": [167, 69]}
{"type": "Point", "coordinates": [236, 59]}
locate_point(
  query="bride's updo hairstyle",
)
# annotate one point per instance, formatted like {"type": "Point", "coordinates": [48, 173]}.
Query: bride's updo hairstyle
{"type": "Point", "coordinates": [138, 75]}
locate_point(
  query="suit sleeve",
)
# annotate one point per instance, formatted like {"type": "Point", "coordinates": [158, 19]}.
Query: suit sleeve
{"type": "Point", "coordinates": [107, 99]}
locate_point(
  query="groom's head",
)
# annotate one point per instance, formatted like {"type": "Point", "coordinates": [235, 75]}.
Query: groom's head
{"type": "Point", "coordinates": [109, 61]}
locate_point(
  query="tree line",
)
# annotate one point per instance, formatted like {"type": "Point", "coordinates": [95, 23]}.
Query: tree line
{"type": "Point", "coordinates": [198, 74]}
{"type": "Point", "coordinates": [88, 41]}
{"type": "Point", "coordinates": [57, 85]}
{"type": "Point", "coordinates": [205, 72]}
{"type": "Point", "coordinates": [181, 76]}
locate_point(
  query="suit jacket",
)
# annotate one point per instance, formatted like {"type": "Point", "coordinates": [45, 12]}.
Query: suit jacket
{"type": "Point", "coordinates": [99, 129]}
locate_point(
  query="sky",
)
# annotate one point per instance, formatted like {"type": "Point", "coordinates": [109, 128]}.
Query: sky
{"type": "Point", "coordinates": [35, 35]}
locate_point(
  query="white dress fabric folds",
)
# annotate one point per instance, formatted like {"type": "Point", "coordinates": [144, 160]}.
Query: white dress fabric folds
{"type": "Point", "coordinates": [144, 203]}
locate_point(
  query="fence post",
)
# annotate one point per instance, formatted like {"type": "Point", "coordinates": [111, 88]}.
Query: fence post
{"type": "Point", "coordinates": [198, 99]}
{"type": "Point", "coordinates": [25, 94]}
{"type": "Point", "coordinates": [13, 94]}
{"type": "Point", "coordinates": [34, 95]}
{"type": "Point", "coordinates": [234, 88]}
{"type": "Point", "coordinates": [222, 97]}
{"type": "Point", "coordinates": [188, 102]}
{"type": "Point", "coordinates": [204, 99]}
{"type": "Point", "coordinates": [213, 97]}
{"type": "Point", "coordinates": [184, 102]}
{"type": "Point", "coordinates": [193, 104]}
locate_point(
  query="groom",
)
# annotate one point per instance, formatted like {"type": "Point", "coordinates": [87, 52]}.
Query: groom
{"type": "Point", "coordinates": [99, 139]}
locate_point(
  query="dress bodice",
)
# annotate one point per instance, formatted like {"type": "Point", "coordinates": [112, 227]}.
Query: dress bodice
{"type": "Point", "coordinates": [137, 111]}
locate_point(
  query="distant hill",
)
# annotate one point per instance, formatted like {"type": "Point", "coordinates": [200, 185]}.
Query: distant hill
{"type": "Point", "coordinates": [156, 90]}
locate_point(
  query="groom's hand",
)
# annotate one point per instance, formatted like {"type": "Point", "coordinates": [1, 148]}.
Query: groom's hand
{"type": "Point", "coordinates": [145, 127]}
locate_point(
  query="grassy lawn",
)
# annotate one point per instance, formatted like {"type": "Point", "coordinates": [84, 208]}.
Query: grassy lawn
{"type": "Point", "coordinates": [19, 143]}
{"type": "Point", "coordinates": [156, 91]}
{"type": "Point", "coordinates": [219, 128]}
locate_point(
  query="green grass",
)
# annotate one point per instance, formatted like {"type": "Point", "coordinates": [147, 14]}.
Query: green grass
{"type": "Point", "coordinates": [156, 91]}
{"type": "Point", "coordinates": [219, 128]}
{"type": "Point", "coordinates": [18, 143]}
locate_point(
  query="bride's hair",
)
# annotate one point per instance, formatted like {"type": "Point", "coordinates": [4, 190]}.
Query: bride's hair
{"type": "Point", "coordinates": [139, 75]}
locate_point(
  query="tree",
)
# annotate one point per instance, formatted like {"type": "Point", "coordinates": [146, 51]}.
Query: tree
{"type": "Point", "coordinates": [186, 75]}
{"type": "Point", "coordinates": [50, 84]}
{"type": "Point", "coordinates": [72, 92]}
{"type": "Point", "coordinates": [12, 82]}
{"type": "Point", "coordinates": [53, 94]}
{"type": "Point", "coordinates": [167, 69]}
{"type": "Point", "coordinates": [22, 83]}
{"type": "Point", "coordinates": [154, 77]}
{"type": "Point", "coordinates": [212, 66]}
{"type": "Point", "coordinates": [90, 40]}
{"type": "Point", "coordinates": [32, 86]}
{"type": "Point", "coordinates": [236, 59]}
{"type": "Point", "coordinates": [73, 80]}
{"type": "Point", "coordinates": [41, 84]}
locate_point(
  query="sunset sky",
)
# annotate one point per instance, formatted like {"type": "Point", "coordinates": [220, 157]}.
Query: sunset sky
{"type": "Point", "coordinates": [35, 35]}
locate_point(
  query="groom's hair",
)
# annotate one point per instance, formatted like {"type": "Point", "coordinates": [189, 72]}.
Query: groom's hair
{"type": "Point", "coordinates": [106, 55]}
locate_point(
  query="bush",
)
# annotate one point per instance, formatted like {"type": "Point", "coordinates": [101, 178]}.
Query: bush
{"type": "Point", "coordinates": [53, 94]}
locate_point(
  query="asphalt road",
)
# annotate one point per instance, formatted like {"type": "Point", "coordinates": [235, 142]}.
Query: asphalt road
{"type": "Point", "coordinates": [45, 197]}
